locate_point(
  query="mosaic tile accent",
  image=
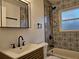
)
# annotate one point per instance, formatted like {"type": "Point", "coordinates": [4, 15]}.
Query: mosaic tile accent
{"type": "Point", "coordinates": [65, 40]}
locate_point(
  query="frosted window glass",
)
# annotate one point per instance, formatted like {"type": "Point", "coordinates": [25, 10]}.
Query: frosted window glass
{"type": "Point", "coordinates": [70, 25]}
{"type": "Point", "coordinates": [70, 14]}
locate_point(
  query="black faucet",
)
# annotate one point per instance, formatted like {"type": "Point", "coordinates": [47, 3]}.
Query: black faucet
{"type": "Point", "coordinates": [19, 45]}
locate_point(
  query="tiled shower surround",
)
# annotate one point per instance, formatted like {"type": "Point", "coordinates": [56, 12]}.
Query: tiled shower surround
{"type": "Point", "coordinates": [64, 39]}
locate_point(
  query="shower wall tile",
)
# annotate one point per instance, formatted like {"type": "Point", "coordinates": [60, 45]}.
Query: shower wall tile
{"type": "Point", "coordinates": [65, 40]}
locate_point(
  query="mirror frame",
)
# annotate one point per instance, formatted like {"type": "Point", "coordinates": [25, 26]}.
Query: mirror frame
{"type": "Point", "coordinates": [29, 16]}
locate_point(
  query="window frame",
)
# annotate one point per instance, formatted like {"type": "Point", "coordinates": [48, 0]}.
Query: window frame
{"type": "Point", "coordinates": [60, 18]}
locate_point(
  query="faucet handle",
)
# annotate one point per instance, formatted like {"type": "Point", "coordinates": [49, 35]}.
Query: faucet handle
{"type": "Point", "coordinates": [13, 45]}
{"type": "Point", "coordinates": [23, 43]}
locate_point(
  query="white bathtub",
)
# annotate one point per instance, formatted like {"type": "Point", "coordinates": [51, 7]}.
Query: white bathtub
{"type": "Point", "coordinates": [67, 54]}
{"type": "Point", "coordinates": [53, 57]}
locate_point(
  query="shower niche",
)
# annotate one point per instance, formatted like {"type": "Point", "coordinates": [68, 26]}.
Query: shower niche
{"type": "Point", "coordinates": [14, 13]}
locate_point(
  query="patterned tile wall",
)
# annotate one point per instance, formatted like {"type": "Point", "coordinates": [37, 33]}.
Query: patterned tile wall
{"type": "Point", "coordinates": [47, 16]}
{"type": "Point", "coordinates": [65, 40]}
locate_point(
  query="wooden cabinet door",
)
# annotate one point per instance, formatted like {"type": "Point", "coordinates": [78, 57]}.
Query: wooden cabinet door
{"type": "Point", "coordinates": [37, 54]}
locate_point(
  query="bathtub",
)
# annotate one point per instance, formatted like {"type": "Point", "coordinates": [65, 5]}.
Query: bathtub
{"type": "Point", "coordinates": [65, 54]}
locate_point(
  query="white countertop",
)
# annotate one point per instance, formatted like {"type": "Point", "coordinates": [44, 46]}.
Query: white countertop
{"type": "Point", "coordinates": [16, 55]}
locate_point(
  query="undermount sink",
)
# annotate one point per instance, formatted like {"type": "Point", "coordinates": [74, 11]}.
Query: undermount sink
{"type": "Point", "coordinates": [22, 49]}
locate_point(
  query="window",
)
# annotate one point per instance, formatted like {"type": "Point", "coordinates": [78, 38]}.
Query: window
{"type": "Point", "coordinates": [70, 19]}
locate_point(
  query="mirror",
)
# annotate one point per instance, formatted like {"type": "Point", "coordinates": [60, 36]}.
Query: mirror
{"type": "Point", "coordinates": [14, 13]}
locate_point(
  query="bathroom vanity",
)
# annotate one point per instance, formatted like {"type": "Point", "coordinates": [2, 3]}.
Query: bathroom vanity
{"type": "Point", "coordinates": [30, 51]}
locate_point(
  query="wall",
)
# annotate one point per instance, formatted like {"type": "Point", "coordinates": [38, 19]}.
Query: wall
{"type": "Point", "coordinates": [68, 39]}
{"type": "Point", "coordinates": [33, 34]}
